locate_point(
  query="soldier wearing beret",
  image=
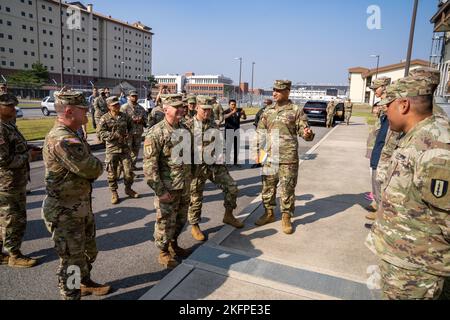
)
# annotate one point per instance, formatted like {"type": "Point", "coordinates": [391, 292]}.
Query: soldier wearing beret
{"type": "Point", "coordinates": [139, 116]}
{"type": "Point", "coordinates": [14, 173]}
{"type": "Point", "coordinates": [411, 232]}
{"type": "Point", "coordinates": [114, 129]}
{"type": "Point", "coordinates": [216, 173]}
{"type": "Point", "coordinates": [288, 121]}
{"type": "Point", "coordinates": [170, 180]}
{"type": "Point", "coordinates": [71, 169]}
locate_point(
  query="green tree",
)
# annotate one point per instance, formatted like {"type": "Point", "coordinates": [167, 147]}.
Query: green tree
{"type": "Point", "coordinates": [34, 78]}
{"type": "Point", "coordinates": [152, 81]}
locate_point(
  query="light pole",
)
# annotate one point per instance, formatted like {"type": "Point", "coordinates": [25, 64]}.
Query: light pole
{"type": "Point", "coordinates": [123, 64]}
{"type": "Point", "coordinates": [73, 72]}
{"type": "Point", "coordinates": [376, 74]}
{"type": "Point", "coordinates": [140, 83]}
{"type": "Point", "coordinates": [79, 73]}
{"type": "Point", "coordinates": [411, 38]}
{"type": "Point", "coordinates": [240, 79]}
{"type": "Point", "coordinates": [61, 42]}
{"type": "Point", "coordinates": [253, 92]}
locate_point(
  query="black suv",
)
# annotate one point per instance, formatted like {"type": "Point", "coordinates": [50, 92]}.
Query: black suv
{"type": "Point", "coordinates": [317, 111]}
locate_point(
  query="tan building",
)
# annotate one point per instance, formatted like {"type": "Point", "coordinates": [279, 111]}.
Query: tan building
{"type": "Point", "coordinates": [95, 46]}
{"type": "Point", "coordinates": [361, 78]}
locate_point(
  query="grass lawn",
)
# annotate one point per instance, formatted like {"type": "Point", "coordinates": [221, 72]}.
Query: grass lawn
{"type": "Point", "coordinates": [37, 129]}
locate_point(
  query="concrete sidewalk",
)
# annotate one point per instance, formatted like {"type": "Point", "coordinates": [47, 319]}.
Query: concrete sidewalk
{"type": "Point", "coordinates": [324, 259]}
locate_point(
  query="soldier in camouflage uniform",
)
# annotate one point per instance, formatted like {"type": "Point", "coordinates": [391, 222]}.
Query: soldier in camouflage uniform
{"type": "Point", "coordinates": [14, 173]}
{"type": "Point", "coordinates": [100, 106]}
{"type": "Point", "coordinates": [115, 129]}
{"type": "Point", "coordinates": [348, 108]}
{"type": "Point", "coordinates": [191, 109]}
{"type": "Point", "coordinates": [139, 117]}
{"type": "Point", "coordinates": [331, 109]}
{"type": "Point", "coordinates": [67, 210]}
{"type": "Point", "coordinates": [412, 231]}
{"type": "Point", "coordinates": [288, 121]}
{"type": "Point", "coordinates": [155, 116]}
{"type": "Point", "coordinates": [169, 179]}
{"type": "Point", "coordinates": [217, 112]}
{"type": "Point", "coordinates": [216, 173]}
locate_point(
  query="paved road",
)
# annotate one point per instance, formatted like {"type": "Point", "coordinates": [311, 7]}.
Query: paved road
{"type": "Point", "coordinates": [127, 258]}
{"type": "Point", "coordinates": [32, 113]}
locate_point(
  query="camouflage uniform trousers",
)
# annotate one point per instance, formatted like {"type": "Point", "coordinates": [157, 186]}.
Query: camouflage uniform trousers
{"type": "Point", "coordinates": [219, 175]}
{"type": "Point", "coordinates": [75, 245]}
{"type": "Point", "coordinates": [113, 163]}
{"type": "Point", "coordinates": [330, 118]}
{"type": "Point", "coordinates": [402, 284]}
{"type": "Point", "coordinates": [135, 146]}
{"type": "Point", "coordinates": [171, 218]}
{"type": "Point", "coordinates": [287, 176]}
{"type": "Point", "coordinates": [348, 116]}
{"type": "Point", "coordinates": [13, 219]}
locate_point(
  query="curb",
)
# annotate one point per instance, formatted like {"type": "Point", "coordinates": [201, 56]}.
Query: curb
{"type": "Point", "coordinates": [174, 278]}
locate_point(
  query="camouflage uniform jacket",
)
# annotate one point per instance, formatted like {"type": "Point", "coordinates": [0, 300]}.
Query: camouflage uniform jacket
{"type": "Point", "coordinates": [136, 112]}
{"type": "Point", "coordinates": [413, 226]}
{"type": "Point", "coordinates": [348, 106]}
{"type": "Point", "coordinates": [189, 115]}
{"type": "Point", "coordinates": [163, 172]}
{"type": "Point", "coordinates": [155, 116]}
{"type": "Point", "coordinates": [200, 143]}
{"type": "Point", "coordinates": [217, 114]}
{"type": "Point", "coordinates": [14, 158]}
{"type": "Point", "coordinates": [115, 132]}
{"type": "Point", "coordinates": [100, 108]}
{"type": "Point", "coordinates": [289, 121]}
{"type": "Point", "coordinates": [331, 108]}
{"type": "Point", "coordinates": [70, 169]}
{"type": "Point", "coordinates": [392, 141]}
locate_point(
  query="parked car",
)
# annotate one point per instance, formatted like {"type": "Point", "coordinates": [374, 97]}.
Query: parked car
{"type": "Point", "coordinates": [19, 113]}
{"type": "Point", "coordinates": [48, 106]}
{"type": "Point", "coordinates": [317, 111]}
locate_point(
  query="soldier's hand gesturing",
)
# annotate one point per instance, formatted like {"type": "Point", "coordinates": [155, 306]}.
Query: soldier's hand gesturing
{"type": "Point", "coordinates": [307, 133]}
{"type": "Point", "coordinates": [166, 198]}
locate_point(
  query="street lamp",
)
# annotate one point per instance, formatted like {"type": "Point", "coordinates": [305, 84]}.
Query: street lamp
{"type": "Point", "coordinates": [253, 92]}
{"type": "Point", "coordinates": [122, 63]}
{"type": "Point", "coordinates": [411, 38]}
{"type": "Point", "coordinates": [376, 74]}
{"type": "Point", "coordinates": [240, 79]}
{"type": "Point", "coordinates": [73, 72]}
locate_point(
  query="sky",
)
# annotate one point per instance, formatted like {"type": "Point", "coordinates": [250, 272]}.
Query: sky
{"type": "Point", "coordinates": [303, 41]}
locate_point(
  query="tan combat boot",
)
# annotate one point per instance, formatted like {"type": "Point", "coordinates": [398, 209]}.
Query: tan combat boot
{"type": "Point", "coordinates": [371, 216]}
{"type": "Point", "coordinates": [231, 220]}
{"type": "Point", "coordinates": [167, 260]}
{"type": "Point", "coordinates": [90, 287]}
{"type": "Point", "coordinates": [197, 234]}
{"type": "Point", "coordinates": [175, 250]}
{"type": "Point", "coordinates": [266, 218]}
{"type": "Point", "coordinates": [114, 198]}
{"type": "Point", "coordinates": [131, 193]}
{"type": "Point", "coordinates": [287, 224]}
{"type": "Point", "coordinates": [20, 261]}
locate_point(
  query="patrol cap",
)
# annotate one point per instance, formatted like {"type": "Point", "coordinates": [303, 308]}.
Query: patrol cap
{"type": "Point", "coordinates": [380, 82]}
{"type": "Point", "coordinates": [282, 85]}
{"type": "Point", "coordinates": [173, 100]}
{"type": "Point", "coordinates": [8, 100]}
{"type": "Point", "coordinates": [132, 93]}
{"type": "Point", "coordinates": [113, 100]}
{"type": "Point", "coordinates": [407, 88]}
{"type": "Point", "coordinates": [71, 98]}
{"type": "Point", "coordinates": [192, 99]}
{"type": "Point", "coordinates": [205, 102]}
{"type": "Point", "coordinates": [433, 75]}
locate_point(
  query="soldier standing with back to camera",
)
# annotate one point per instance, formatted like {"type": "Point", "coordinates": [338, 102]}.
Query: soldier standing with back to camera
{"type": "Point", "coordinates": [67, 210]}
{"type": "Point", "coordinates": [331, 109]}
{"type": "Point", "coordinates": [412, 231]}
{"type": "Point", "coordinates": [348, 108]}
{"type": "Point", "coordinates": [14, 173]}
{"type": "Point", "coordinates": [288, 121]}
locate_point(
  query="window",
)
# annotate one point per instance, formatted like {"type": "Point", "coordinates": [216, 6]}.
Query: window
{"type": "Point", "coordinates": [32, 29]}
{"type": "Point", "coordinates": [8, 9]}
{"type": "Point", "coordinates": [11, 64]}
{"type": "Point", "coordinates": [25, 53]}
{"type": "Point", "coordinates": [3, 63]}
{"type": "Point", "coordinates": [32, 54]}
{"type": "Point", "coordinates": [44, 31]}
{"type": "Point", "coordinates": [24, 27]}
{"type": "Point", "coordinates": [30, 2]}
{"type": "Point", "coordinates": [52, 56]}
{"type": "Point", "coordinates": [44, 19]}
{"type": "Point", "coordinates": [32, 41]}
{"type": "Point", "coordinates": [43, 7]}
{"type": "Point", "coordinates": [30, 16]}
{"type": "Point", "coordinates": [51, 44]}
{"type": "Point", "coordinates": [50, 21]}
{"type": "Point", "coordinates": [10, 37]}
{"type": "Point", "coordinates": [23, 14]}
{"type": "Point", "coordinates": [45, 43]}
{"type": "Point", "coordinates": [24, 39]}
{"type": "Point", "coordinates": [51, 33]}
{"type": "Point", "coordinates": [11, 50]}
{"type": "Point", "coordinates": [26, 65]}
{"type": "Point", "coordinates": [45, 56]}
{"type": "Point", "coordinates": [2, 49]}
{"type": "Point", "coordinates": [49, 8]}
{"type": "Point", "coordinates": [52, 68]}
{"type": "Point", "coordinates": [9, 23]}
